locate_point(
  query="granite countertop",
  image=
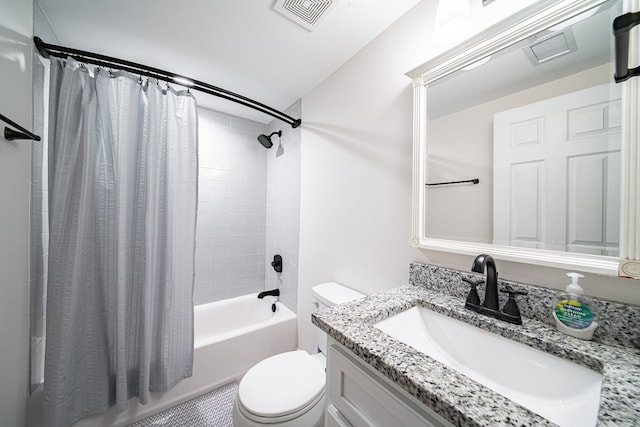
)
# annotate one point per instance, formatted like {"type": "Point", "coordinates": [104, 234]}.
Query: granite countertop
{"type": "Point", "coordinates": [456, 397]}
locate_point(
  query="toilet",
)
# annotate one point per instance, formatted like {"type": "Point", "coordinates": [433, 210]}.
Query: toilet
{"type": "Point", "coordinates": [288, 389]}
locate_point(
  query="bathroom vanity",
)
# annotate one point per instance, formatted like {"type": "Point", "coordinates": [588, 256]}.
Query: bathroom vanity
{"type": "Point", "coordinates": [376, 379]}
{"type": "Point", "coordinates": [358, 395]}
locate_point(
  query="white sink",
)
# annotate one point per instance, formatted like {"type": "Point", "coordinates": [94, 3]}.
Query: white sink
{"type": "Point", "coordinates": [563, 392]}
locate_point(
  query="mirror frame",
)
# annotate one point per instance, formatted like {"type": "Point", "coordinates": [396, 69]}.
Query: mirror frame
{"type": "Point", "coordinates": [530, 21]}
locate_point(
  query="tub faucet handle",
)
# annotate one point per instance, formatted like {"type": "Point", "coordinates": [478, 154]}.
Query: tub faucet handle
{"type": "Point", "coordinates": [277, 263]}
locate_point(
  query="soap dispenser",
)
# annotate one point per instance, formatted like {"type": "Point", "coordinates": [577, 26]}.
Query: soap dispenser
{"type": "Point", "coordinates": [574, 314]}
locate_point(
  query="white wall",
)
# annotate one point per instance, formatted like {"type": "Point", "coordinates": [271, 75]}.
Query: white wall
{"type": "Point", "coordinates": [356, 173]}
{"type": "Point", "coordinates": [16, 21]}
{"type": "Point", "coordinates": [355, 209]}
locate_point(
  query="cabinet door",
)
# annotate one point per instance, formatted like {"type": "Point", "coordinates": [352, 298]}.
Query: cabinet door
{"type": "Point", "coordinates": [333, 418]}
{"type": "Point", "coordinates": [364, 398]}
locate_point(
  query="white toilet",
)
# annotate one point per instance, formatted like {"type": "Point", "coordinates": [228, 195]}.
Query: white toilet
{"type": "Point", "coordinates": [288, 389]}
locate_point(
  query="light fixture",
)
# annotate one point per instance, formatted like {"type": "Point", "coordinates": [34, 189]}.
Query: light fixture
{"type": "Point", "coordinates": [453, 22]}
{"type": "Point", "coordinates": [477, 64]}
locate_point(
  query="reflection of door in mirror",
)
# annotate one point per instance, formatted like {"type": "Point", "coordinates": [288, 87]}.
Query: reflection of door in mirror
{"type": "Point", "coordinates": [461, 147]}
{"type": "Point", "coordinates": [562, 60]}
{"type": "Point", "coordinates": [557, 173]}
{"type": "Point", "coordinates": [585, 216]}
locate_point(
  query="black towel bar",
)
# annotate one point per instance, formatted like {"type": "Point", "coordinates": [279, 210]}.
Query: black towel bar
{"type": "Point", "coordinates": [621, 27]}
{"type": "Point", "coordinates": [472, 181]}
{"type": "Point", "coordinates": [21, 133]}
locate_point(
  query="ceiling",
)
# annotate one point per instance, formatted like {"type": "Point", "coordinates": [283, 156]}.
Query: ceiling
{"type": "Point", "coordinates": [511, 70]}
{"type": "Point", "coordinates": [240, 45]}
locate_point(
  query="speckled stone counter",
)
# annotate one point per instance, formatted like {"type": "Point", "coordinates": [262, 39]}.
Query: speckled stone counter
{"type": "Point", "coordinates": [459, 399]}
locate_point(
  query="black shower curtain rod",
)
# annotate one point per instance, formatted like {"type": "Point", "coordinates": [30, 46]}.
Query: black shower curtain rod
{"type": "Point", "coordinates": [47, 50]}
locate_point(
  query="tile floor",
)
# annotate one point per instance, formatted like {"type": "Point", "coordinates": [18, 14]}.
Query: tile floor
{"type": "Point", "coordinates": [213, 409]}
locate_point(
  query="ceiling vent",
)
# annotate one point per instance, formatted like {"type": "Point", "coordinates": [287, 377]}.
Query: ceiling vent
{"type": "Point", "coordinates": [551, 47]}
{"type": "Point", "coordinates": [306, 13]}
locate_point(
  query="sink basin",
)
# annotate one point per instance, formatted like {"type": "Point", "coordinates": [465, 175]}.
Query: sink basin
{"type": "Point", "coordinates": [560, 391]}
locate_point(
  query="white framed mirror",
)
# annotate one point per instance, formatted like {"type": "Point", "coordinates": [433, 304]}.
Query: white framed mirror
{"type": "Point", "coordinates": [527, 115]}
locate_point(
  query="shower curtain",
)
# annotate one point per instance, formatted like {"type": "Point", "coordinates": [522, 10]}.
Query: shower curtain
{"type": "Point", "coordinates": [123, 189]}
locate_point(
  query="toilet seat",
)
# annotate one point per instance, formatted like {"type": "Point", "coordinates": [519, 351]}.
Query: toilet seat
{"type": "Point", "coordinates": [281, 387]}
{"type": "Point", "coordinates": [279, 419]}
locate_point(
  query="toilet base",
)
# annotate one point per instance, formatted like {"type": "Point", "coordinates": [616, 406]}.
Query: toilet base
{"type": "Point", "coordinates": [314, 417]}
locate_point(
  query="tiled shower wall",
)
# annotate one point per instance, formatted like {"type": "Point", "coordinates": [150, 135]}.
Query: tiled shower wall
{"type": "Point", "coordinates": [232, 193]}
{"type": "Point", "coordinates": [248, 208]}
{"type": "Point", "coordinates": [283, 208]}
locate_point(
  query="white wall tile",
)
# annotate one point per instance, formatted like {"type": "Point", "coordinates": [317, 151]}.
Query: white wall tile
{"type": "Point", "coordinates": [231, 229]}
{"type": "Point", "coordinates": [282, 209]}
{"type": "Point", "coordinates": [249, 205]}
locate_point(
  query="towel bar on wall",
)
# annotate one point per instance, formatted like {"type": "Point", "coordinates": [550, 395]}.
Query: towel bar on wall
{"type": "Point", "coordinates": [21, 133]}
{"type": "Point", "coordinates": [471, 181]}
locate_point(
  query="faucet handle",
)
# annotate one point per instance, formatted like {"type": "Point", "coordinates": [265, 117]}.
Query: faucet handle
{"type": "Point", "coordinates": [473, 283]}
{"type": "Point", "coordinates": [473, 298]}
{"type": "Point", "coordinates": [511, 307]}
{"type": "Point", "coordinates": [507, 289]}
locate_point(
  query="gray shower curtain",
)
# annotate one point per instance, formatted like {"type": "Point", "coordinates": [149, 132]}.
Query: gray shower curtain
{"type": "Point", "coordinates": [123, 189]}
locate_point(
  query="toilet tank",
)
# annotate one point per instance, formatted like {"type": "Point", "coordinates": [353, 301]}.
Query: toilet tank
{"type": "Point", "coordinates": [327, 295]}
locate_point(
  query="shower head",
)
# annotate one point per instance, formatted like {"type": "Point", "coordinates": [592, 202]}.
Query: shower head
{"type": "Point", "coordinates": [266, 140]}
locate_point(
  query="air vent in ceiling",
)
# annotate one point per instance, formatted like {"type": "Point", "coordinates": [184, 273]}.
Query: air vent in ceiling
{"type": "Point", "coordinates": [551, 47]}
{"type": "Point", "coordinates": [306, 13]}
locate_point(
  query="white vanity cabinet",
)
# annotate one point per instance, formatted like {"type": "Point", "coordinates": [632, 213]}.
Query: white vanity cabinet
{"type": "Point", "coordinates": [358, 395]}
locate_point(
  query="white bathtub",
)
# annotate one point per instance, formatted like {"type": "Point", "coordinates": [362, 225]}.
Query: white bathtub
{"type": "Point", "coordinates": [230, 337]}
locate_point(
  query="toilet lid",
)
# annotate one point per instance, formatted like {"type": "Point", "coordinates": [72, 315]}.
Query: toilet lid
{"type": "Point", "coordinates": [282, 384]}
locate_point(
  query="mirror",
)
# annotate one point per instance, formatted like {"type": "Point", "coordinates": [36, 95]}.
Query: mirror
{"type": "Point", "coordinates": [527, 116]}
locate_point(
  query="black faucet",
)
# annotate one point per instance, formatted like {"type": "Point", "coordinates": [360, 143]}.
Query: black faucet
{"type": "Point", "coordinates": [491, 290]}
{"type": "Point", "coordinates": [272, 292]}
{"type": "Point", "coordinates": [491, 306]}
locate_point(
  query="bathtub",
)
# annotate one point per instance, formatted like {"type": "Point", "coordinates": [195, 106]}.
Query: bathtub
{"type": "Point", "coordinates": [230, 336]}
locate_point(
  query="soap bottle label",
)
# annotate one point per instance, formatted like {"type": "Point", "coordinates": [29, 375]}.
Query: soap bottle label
{"type": "Point", "coordinates": [574, 314]}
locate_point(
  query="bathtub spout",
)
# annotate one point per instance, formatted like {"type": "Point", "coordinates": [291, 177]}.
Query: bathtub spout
{"type": "Point", "coordinates": [273, 292]}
